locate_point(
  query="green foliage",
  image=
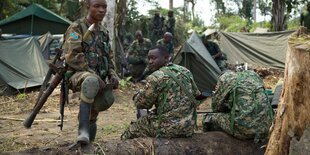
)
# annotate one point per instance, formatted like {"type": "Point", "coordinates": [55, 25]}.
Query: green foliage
{"type": "Point", "coordinates": [293, 24]}
{"type": "Point", "coordinates": [231, 23]}
{"type": "Point", "coordinates": [263, 24]}
{"type": "Point", "coordinates": [70, 9]}
{"type": "Point", "coordinates": [265, 7]}
{"type": "Point", "coordinates": [246, 10]}
{"type": "Point", "coordinates": [21, 96]}
{"type": "Point", "coordinates": [8, 8]}
{"type": "Point", "coordinates": [124, 83]}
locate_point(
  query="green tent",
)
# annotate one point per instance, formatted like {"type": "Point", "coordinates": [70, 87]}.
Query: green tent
{"type": "Point", "coordinates": [194, 56]}
{"type": "Point", "coordinates": [257, 49]}
{"type": "Point", "coordinates": [34, 20]}
{"type": "Point", "coordinates": [22, 64]}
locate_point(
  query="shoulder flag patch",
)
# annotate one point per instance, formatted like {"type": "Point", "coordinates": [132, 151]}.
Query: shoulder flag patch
{"type": "Point", "coordinates": [74, 35]}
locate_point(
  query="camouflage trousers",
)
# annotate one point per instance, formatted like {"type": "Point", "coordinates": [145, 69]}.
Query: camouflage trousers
{"type": "Point", "coordinates": [147, 126]}
{"type": "Point", "coordinates": [75, 82]}
{"type": "Point", "coordinates": [143, 127]}
{"type": "Point", "coordinates": [221, 122]}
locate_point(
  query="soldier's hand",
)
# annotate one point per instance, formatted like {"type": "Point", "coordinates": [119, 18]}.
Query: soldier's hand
{"type": "Point", "coordinates": [114, 81]}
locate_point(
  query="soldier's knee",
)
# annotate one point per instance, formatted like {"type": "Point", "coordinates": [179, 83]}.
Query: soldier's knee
{"type": "Point", "coordinates": [89, 89]}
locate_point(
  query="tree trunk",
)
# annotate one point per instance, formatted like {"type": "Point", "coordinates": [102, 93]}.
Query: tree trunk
{"type": "Point", "coordinates": [109, 19]}
{"type": "Point", "coordinates": [278, 17]}
{"type": "Point", "coordinates": [293, 110]}
{"type": "Point", "coordinates": [185, 10]}
{"type": "Point", "coordinates": [211, 143]}
{"type": "Point", "coordinates": [171, 4]}
{"type": "Point", "coordinates": [254, 11]}
{"type": "Point", "coordinates": [119, 53]}
{"type": "Point", "coordinates": [193, 8]}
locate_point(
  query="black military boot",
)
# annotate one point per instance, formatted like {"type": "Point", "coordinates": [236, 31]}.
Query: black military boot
{"type": "Point", "coordinates": [93, 131]}
{"type": "Point", "coordinates": [83, 137]}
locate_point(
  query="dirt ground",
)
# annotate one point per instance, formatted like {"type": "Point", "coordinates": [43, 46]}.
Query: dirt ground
{"type": "Point", "coordinates": [45, 133]}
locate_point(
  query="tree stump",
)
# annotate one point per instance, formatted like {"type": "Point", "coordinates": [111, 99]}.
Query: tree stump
{"type": "Point", "coordinates": [293, 113]}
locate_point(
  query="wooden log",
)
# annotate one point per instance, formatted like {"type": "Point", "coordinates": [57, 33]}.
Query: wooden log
{"type": "Point", "coordinates": [293, 113]}
{"type": "Point", "coordinates": [211, 143]}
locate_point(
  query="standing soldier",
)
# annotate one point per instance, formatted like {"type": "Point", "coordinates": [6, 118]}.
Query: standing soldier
{"type": "Point", "coordinates": [137, 55]}
{"type": "Point", "coordinates": [305, 17]}
{"type": "Point", "coordinates": [89, 59]}
{"type": "Point", "coordinates": [157, 27]}
{"type": "Point", "coordinates": [168, 43]}
{"type": "Point", "coordinates": [170, 22]}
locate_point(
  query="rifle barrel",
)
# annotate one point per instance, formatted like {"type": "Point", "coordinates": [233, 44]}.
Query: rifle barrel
{"type": "Point", "coordinates": [28, 121]}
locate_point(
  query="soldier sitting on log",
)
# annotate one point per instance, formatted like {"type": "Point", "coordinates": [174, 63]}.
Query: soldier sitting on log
{"type": "Point", "coordinates": [172, 90]}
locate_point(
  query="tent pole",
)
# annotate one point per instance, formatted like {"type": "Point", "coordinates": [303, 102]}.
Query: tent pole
{"type": "Point", "coordinates": [31, 32]}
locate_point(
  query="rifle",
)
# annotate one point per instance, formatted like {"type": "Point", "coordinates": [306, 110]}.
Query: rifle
{"type": "Point", "coordinates": [64, 92]}
{"type": "Point", "coordinates": [49, 74]}
{"type": "Point", "coordinates": [46, 92]}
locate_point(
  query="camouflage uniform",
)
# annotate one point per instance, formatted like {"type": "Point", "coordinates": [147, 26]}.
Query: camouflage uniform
{"type": "Point", "coordinates": [89, 56]}
{"type": "Point", "coordinates": [305, 19]}
{"type": "Point", "coordinates": [214, 49]}
{"type": "Point", "coordinates": [137, 57]}
{"type": "Point", "coordinates": [174, 113]}
{"type": "Point", "coordinates": [157, 28]}
{"type": "Point", "coordinates": [241, 106]}
{"type": "Point", "coordinates": [169, 46]}
{"type": "Point", "coordinates": [170, 25]}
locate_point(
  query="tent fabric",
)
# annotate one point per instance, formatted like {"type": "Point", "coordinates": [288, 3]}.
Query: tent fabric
{"type": "Point", "coordinates": [45, 40]}
{"type": "Point", "coordinates": [21, 63]}
{"type": "Point", "coordinates": [35, 20]}
{"type": "Point", "coordinates": [195, 57]}
{"type": "Point", "coordinates": [256, 49]}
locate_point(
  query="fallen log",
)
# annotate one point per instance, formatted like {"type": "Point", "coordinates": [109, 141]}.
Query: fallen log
{"type": "Point", "coordinates": [211, 143]}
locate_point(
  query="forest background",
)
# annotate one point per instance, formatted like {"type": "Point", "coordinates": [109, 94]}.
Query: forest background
{"type": "Point", "coordinates": [228, 15]}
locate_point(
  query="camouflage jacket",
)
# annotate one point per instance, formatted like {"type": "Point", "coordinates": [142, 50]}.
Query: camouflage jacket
{"type": "Point", "coordinates": [242, 94]}
{"type": "Point", "coordinates": [92, 53]}
{"type": "Point", "coordinates": [169, 45]}
{"type": "Point", "coordinates": [170, 23]}
{"type": "Point", "coordinates": [157, 23]}
{"type": "Point", "coordinates": [174, 111]}
{"type": "Point", "coordinates": [305, 18]}
{"type": "Point", "coordinates": [137, 52]}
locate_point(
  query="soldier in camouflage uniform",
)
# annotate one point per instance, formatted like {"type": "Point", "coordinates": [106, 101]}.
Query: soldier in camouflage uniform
{"type": "Point", "coordinates": [215, 52]}
{"type": "Point", "coordinates": [89, 60]}
{"type": "Point", "coordinates": [241, 106]}
{"type": "Point", "coordinates": [167, 42]}
{"type": "Point", "coordinates": [305, 17]}
{"type": "Point", "coordinates": [157, 27]}
{"type": "Point", "coordinates": [137, 55]}
{"type": "Point", "coordinates": [170, 24]}
{"type": "Point", "coordinates": [175, 110]}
